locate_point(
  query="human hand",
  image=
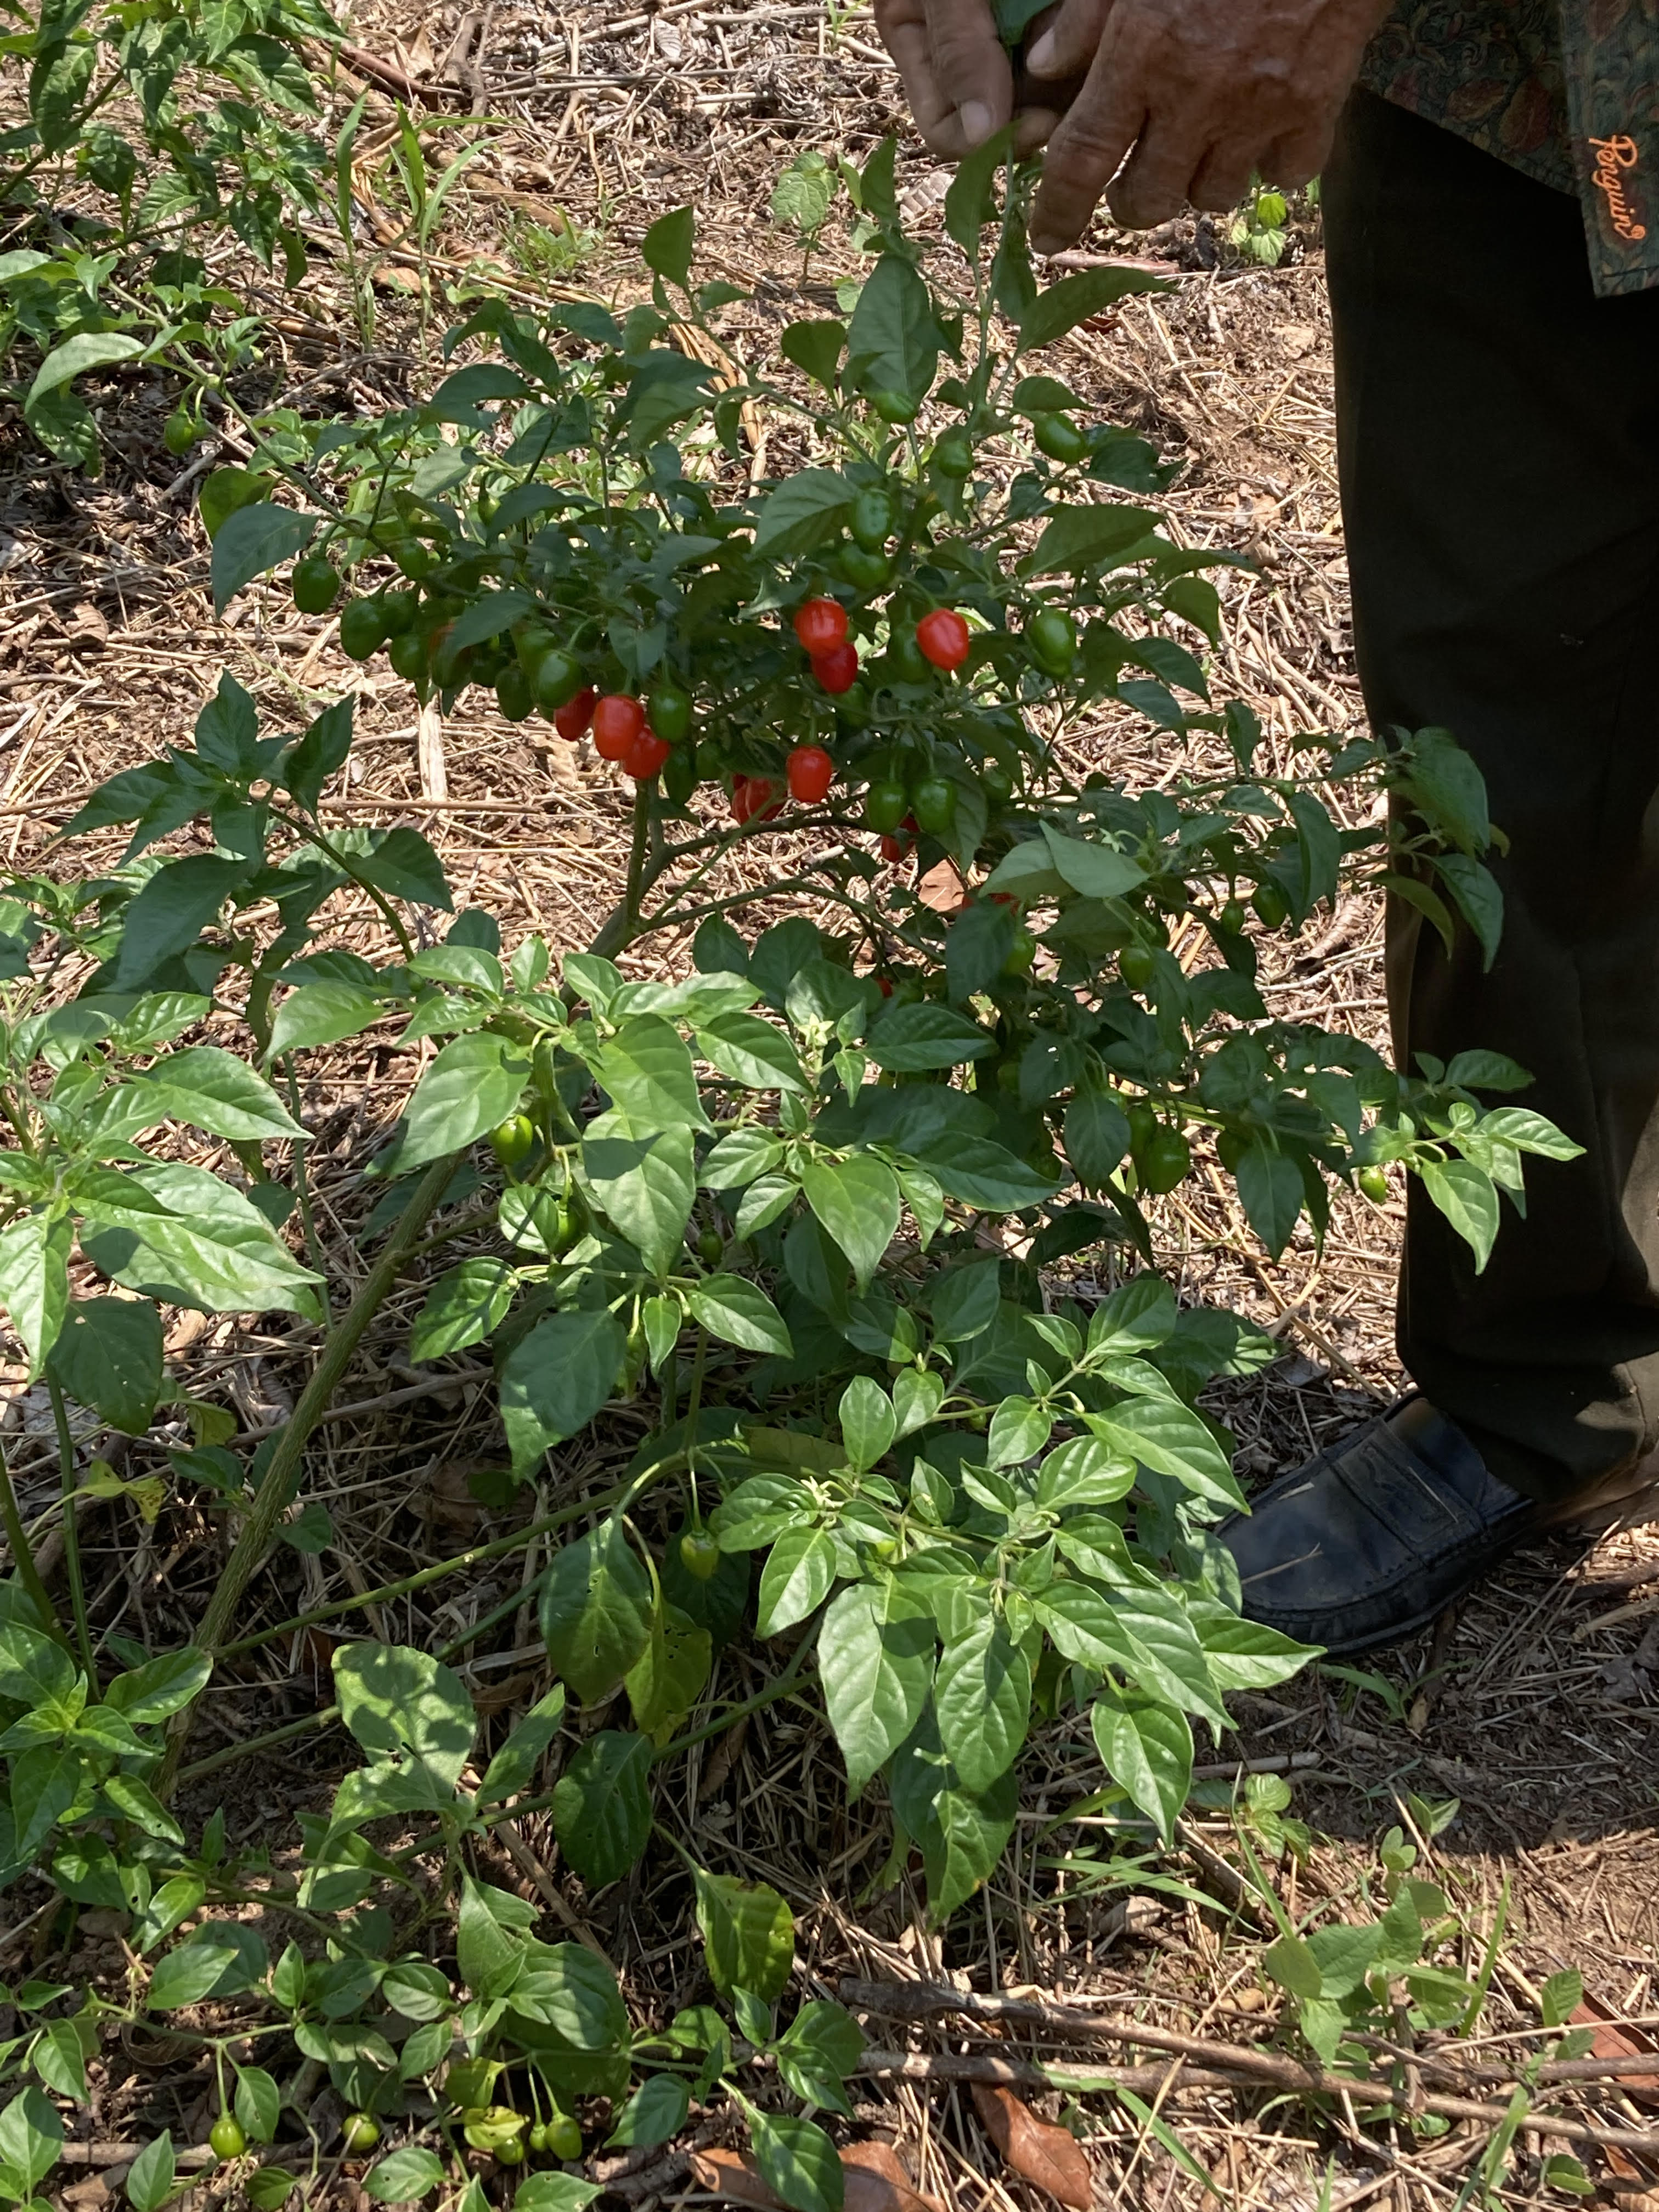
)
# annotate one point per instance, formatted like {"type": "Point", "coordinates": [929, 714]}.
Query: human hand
{"type": "Point", "coordinates": [957, 74]}
{"type": "Point", "coordinates": [1207, 93]}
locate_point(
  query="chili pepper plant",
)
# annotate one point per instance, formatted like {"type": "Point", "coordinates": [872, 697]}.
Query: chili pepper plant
{"type": "Point", "coordinates": [817, 1205]}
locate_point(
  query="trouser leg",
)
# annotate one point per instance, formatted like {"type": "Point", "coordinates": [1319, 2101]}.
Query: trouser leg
{"type": "Point", "coordinates": [1499, 441]}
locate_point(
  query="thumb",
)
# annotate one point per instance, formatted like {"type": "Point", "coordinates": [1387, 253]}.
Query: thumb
{"type": "Point", "coordinates": [1067, 46]}
{"type": "Point", "coordinates": [971, 66]}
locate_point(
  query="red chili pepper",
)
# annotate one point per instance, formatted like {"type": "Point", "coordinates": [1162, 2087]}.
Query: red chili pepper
{"type": "Point", "coordinates": [645, 756]}
{"type": "Point", "coordinates": [572, 718]}
{"type": "Point", "coordinates": [944, 638]}
{"type": "Point", "coordinates": [838, 669]}
{"type": "Point", "coordinates": [812, 772]}
{"type": "Point", "coordinates": [821, 625]}
{"type": "Point", "coordinates": [618, 721]}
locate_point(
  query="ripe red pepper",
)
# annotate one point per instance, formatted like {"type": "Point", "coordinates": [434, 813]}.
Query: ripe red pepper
{"type": "Point", "coordinates": [572, 718]}
{"type": "Point", "coordinates": [752, 796]}
{"type": "Point", "coordinates": [943, 638]}
{"type": "Point", "coordinates": [821, 625]}
{"type": "Point", "coordinates": [618, 721]}
{"type": "Point", "coordinates": [812, 772]}
{"type": "Point", "coordinates": [838, 669]}
{"type": "Point", "coordinates": [646, 756]}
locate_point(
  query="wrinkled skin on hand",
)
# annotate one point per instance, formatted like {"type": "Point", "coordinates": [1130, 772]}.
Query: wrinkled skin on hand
{"type": "Point", "coordinates": [1150, 103]}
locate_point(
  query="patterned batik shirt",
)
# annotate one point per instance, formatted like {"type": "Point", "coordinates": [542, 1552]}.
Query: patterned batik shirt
{"type": "Point", "coordinates": [1566, 90]}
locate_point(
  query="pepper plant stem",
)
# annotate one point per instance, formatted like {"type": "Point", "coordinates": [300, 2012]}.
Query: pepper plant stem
{"type": "Point", "coordinates": [71, 1534]}
{"type": "Point", "coordinates": [22, 1558]}
{"type": "Point", "coordinates": [281, 1477]}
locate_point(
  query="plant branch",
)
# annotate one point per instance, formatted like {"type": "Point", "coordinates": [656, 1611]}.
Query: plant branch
{"type": "Point", "coordinates": [282, 1477]}
{"type": "Point", "coordinates": [22, 1558]}
{"type": "Point", "coordinates": [71, 1534]}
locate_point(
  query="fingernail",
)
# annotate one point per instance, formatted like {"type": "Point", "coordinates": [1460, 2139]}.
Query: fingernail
{"type": "Point", "coordinates": [1041, 59]}
{"type": "Point", "coordinates": [977, 122]}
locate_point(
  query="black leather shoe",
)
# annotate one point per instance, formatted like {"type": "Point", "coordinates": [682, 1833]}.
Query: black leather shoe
{"type": "Point", "coordinates": [1369, 1541]}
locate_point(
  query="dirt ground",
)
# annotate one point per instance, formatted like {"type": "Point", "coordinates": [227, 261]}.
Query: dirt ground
{"type": "Point", "coordinates": [1536, 1707]}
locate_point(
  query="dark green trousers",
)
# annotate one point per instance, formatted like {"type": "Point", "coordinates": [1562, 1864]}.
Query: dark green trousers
{"type": "Point", "coordinates": [1499, 438]}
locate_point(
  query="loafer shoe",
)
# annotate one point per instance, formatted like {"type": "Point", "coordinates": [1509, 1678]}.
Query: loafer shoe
{"type": "Point", "coordinates": [1371, 1541]}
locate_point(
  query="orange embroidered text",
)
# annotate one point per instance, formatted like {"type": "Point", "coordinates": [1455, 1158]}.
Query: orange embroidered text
{"type": "Point", "coordinates": [1613, 157]}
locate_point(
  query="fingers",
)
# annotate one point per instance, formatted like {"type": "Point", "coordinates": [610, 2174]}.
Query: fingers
{"type": "Point", "coordinates": [1152, 186]}
{"type": "Point", "coordinates": [970, 67]}
{"type": "Point", "coordinates": [1069, 43]}
{"type": "Point", "coordinates": [1222, 179]}
{"type": "Point", "coordinates": [1084, 155]}
{"type": "Point", "coordinates": [1300, 154]}
{"type": "Point", "coordinates": [904, 27]}
{"type": "Point", "coordinates": [1033, 127]}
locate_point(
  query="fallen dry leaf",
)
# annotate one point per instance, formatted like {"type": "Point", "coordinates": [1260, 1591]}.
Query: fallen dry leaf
{"type": "Point", "coordinates": [876, 2182]}
{"type": "Point", "coordinates": [724, 2174]}
{"type": "Point", "coordinates": [943, 888]}
{"type": "Point", "coordinates": [1614, 2040]}
{"type": "Point", "coordinates": [1043, 2153]}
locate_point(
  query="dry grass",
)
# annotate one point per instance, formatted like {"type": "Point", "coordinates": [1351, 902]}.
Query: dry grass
{"type": "Point", "coordinates": [1536, 1706]}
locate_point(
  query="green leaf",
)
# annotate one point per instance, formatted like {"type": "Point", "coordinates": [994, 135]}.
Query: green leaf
{"type": "Point", "coordinates": [1062, 306]}
{"type": "Point", "coordinates": [1147, 1746]}
{"type": "Point", "coordinates": [1243, 1655]}
{"type": "Point", "coordinates": [321, 1013]}
{"type": "Point", "coordinates": [473, 1084]}
{"type": "Point", "coordinates": [463, 1307]}
{"type": "Point", "coordinates": [1467, 1196]}
{"type": "Point", "coordinates": [220, 1959]}
{"type": "Point", "coordinates": [404, 865]}
{"type": "Point", "coordinates": [1091, 867]}
{"type": "Point", "coordinates": [489, 1957]}
{"type": "Point", "coordinates": [253, 540]}
{"type": "Point", "coordinates": [602, 1805]}
{"type": "Point", "coordinates": [739, 1312]}
{"type": "Point", "coordinates": [1476, 895]}
{"type": "Point", "coordinates": [1018, 1431]}
{"type": "Point", "coordinates": [982, 1173]}
{"type": "Point", "coordinates": [31, 2141]}
{"type": "Point", "coordinates": [671, 1674]}
{"type": "Point", "coordinates": [402, 2177]}
{"type": "Point", "coordinates": [911, 1039]}
{"type": "Point", "coordinates": [316, 754]}
{"type": "Point", "coordinates": [1448, 789]}
{"type": "Point", "coordinates": [211, 1250]}
{"type": "Point", "coordinates": [86, 349]}
{"type": "Point", "coordinates": [982, 1699]}
{"type": "Point", "coordinates": [269, 2188]}
{"type": "Point", "coordinates": [171, 912]}
{"type": "Point", "coordinates": [514, 1766]}
{"type": "Point", "coordinates": [1097, 1135]}
{"type": "Point", "coordinates": [108, 1355]}
{"type": "Point", "coordinates": [667, 245]}
{"type": "Point", "coordinates": [225, 490]}
{"type": "Point", "coordinates": [1526, 1131]}
{"type": "Point", "coordinates": [34, 1252]}
{"type": "Point", "coordinates": [1272, 1192]}
{"type": "Point", "coordinates": [212, 1088]}
{"type": "Point", "coordinates": [875, 1662]}
{"type": "Point", "coordinates": [893, 339]}
{"type": "Point", "coordinates": [972, 1834]}
{"type": "Point", "coordinates": [804, 512]}
{"type": "Point", "coordinates": [816, 346]}
{"type": "Point", "coordinates": [646, 1068]}
{"type": "Point", "coordinates": [161, 1687]}
{"type": "Point", "coordinates": [748, 1934]}
{"type": "Point", "coordinates": [1082, 538]}
{"type": "Point", "coordinates": [751, 1051]}
{"type": "Point", "coordinates": [258, 2103]}
{"type": "Point", "coordinates": [596, 1610]}
{"type": "Point", "coordinates": [971, 201]}
{"type": "Point", "coordinates": [803, 193]}
{"type": "Point", "coordinates": [1294, 1967]}
{"type": "Point", "coordinates": [868, 1423]}
{"type": "Point", "coordinates": [1170, 1439]}
{"type": "Point", "coordinates": [798, 2162]}
{"type": "Point", "coordinates": [798, 1575]}
{"type": "Point", "coordinates": [398, 1702]}
{"type": "Point", "coordinates": [556, 1378]}
{"type": "Point", "coordinates": [655, 2112]}
{"type": "Point", "coordinates": [857, 1200]}
{"type": "Point", "coordinates": [150, 2177]}
{"type": "Point", "coordinates": [647, 1184]}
